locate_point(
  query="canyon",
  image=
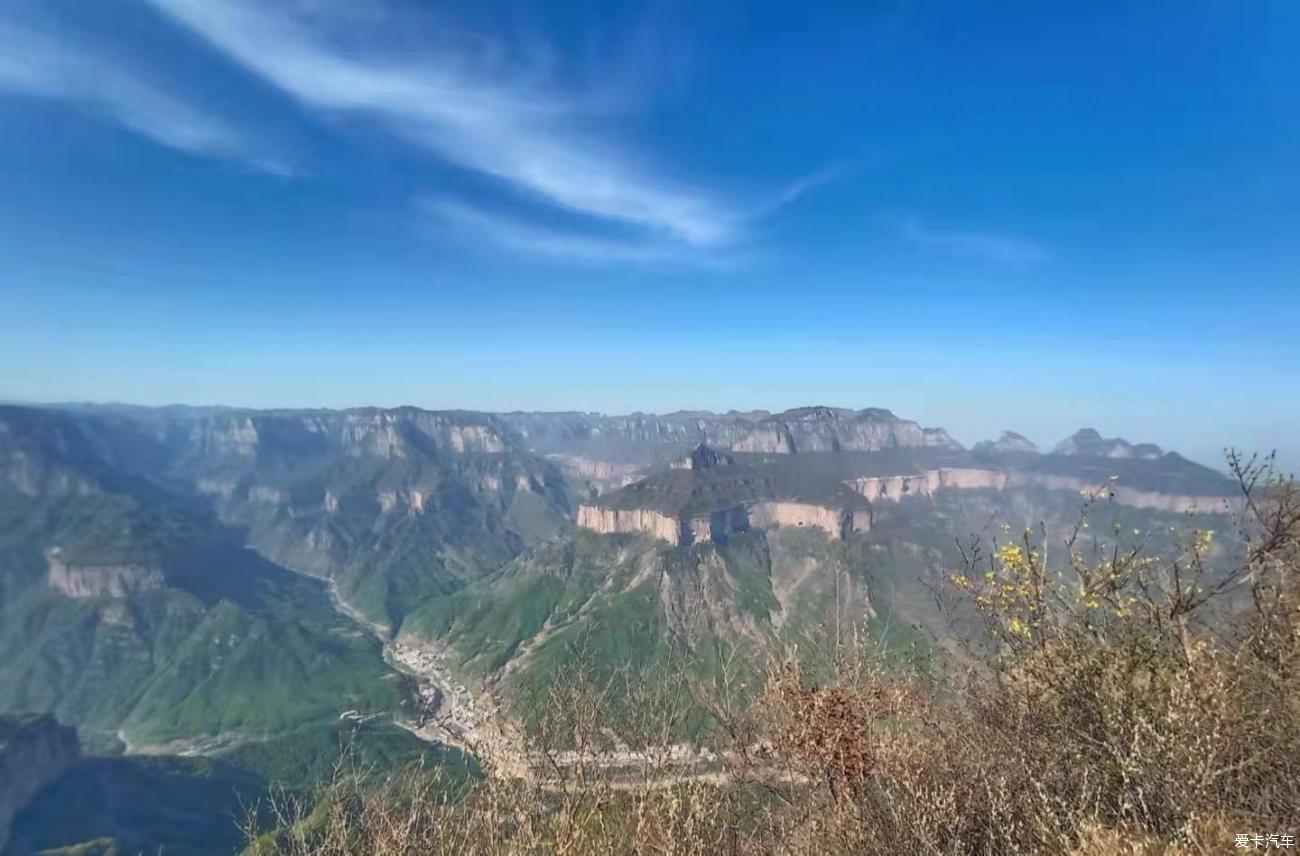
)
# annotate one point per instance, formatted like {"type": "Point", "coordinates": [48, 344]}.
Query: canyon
{"type": "Point", "coordinates": [159, 558]}
{"type": "Point", "coordinates": [709, 494]}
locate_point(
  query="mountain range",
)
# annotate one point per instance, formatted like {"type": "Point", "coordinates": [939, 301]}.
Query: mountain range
{"type": "Point", "coordinates": [225, 583]}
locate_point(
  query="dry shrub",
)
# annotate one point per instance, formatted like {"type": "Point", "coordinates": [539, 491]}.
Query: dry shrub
{"type": "Point", "coordinates": [1122, 703]}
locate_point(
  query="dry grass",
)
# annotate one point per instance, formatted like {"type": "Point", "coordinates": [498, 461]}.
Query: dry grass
{"type": "Point", "coordinates": [1109, 714]}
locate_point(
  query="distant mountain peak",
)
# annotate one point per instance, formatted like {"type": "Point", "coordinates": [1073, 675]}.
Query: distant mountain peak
{"type": "Point", "coordinates": [814, 413]}
{"type": "Point", "coordinates": [938, 437]}
{"type": "Point", "coordinates": [1007, 441]}
{"type": "Point", "coordinates": [703, 457]}
{"type": "Point", "coordinates": [826, 413]}
{"type": "Point", "coordinates": [1088, 442]}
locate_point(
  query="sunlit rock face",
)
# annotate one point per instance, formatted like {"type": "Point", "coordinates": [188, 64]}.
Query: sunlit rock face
{"type": "Point", "coordinates": [717, 525]}
{"type": "Point", "coordinates": [644, 521]}
{"type": "Point", "coordinates": [398, 433]}
{"type": "Point", "coordinates": [770, 440]}
{"type": "Point", "coordinates": [830, 429]}
{"type": "Point", "coordinates": [593, 477]}
{"type": "Point", "coordinates": [880, 488]}
{"type": "Point", "coordinates": [835, 522]}
{"type": "Point", "coordinates": [225, 437]}
{"type": "Point", "coordinates": [1177, 503]}
{"type": "Point", "coordinates": [29, 477]}
{"type": "Point", "coordinates": [38, 455]}
{"type": "Point", "coordinates": [645, 437]}
{"type": "Point", "coordinates": [100, 581]}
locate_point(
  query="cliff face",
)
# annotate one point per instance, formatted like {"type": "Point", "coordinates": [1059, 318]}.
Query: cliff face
{"type": "Point", "coordinates": [826, 429]}
{"type": "Point", "coordinates": [1177, 503]}
{"type": "Point", "coordinates": [717, 525]}
{"type": "Point", "coordinates": [805, 429]}
{"type": "Point", "coordinates": [924, 484]}
{"type": "Point", "coordinates": [27, 476]}
{"type": "Point", "coordinates": [703, 458]}
{"type": "Point", "coordinates": [769, 506]}
{"type": "Point", "coordinates": [34, 751]}
{"type": "Point", "coordinates": [114, 581]}
{"type": "Point", "coordinates": [596, 476]}
{"type": "Point", "coordinates": [639, 520]}
{"type": "Point", "coordinates": [40, 453]}
{"type": "Point", "coordinates": [836, 522]}
{"type": "Point", "coordinates": [396, 433]}
{"type": "Point", "coordinates": [336, 494]}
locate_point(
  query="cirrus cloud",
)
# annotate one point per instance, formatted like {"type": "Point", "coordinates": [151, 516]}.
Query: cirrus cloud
{"type": "Point", "coordinates": [33, 64]}
{"type": "Point", "coordinates": [469, 108]}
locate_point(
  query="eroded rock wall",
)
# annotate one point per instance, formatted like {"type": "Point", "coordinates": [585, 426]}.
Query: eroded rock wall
{"type": "Point", "coordinates": [1176, 503]}
{"type": "Point", "coordinates": [601, 475]}
{"type": "Point", "coordinates": [836, 522]}
{"type": "Point", "coordinates": [881, 488]}
{"type": "Point", "coordinates": [717, 525]}
{"type": "Point", "coordinates": [645, 521]}
{"type": "Point", "coordinates": [84, 581]}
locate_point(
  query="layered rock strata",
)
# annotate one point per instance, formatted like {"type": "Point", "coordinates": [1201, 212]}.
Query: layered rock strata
{"type": "Point", "coordinates": [107, 580]}
{"type": "Point", "coordinates": [877, 488]}
{"type": "Point", "coordinates": [1178, 503]}
{"type": "Point", "coordinates": [717, 525]}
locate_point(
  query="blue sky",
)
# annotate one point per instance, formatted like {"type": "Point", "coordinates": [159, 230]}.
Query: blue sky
{"type": "Point", "coordinates": [1016, 215]}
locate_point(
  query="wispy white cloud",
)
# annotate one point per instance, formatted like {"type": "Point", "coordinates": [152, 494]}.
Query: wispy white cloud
{"type": "Point", "coordinates": [471, 107]}
{"type": "Point", "coordinates": [977, 246]}
{"type": "Point", "coordinates": [511, 233]}
{"type": "Point", "coordinates": [34, 64]}
{"type": "Point", "coordinates": [796, 190]}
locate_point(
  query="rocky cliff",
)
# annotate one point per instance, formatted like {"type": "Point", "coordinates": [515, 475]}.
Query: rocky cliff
{"type": "Point", "coordinates": [112, 581]}
{"type": "Point", "coordinates": [34, 751]}
{"type": "Point", "coordinates": [835, 522]}
{"type": "Point", "coordinates": [393, 505]}
{"type": "Point", "coordinates": [703, 458]}
{"type": "Point", "coordinates": [1174, 502]}
{"type": "Point", "coordinates": [717, 525]}
{"type": "Point", "coordinates": [649, 438]}
{"type": "Point", "coordinates": [877, 488]}
{"type": "Point", "coordinates": [806, 489]}
{"type": "Point", "coordinates": [593, 476]}
{"type": "Point", "coordinates": [44, 454]}
{"type": "Point", "coordinates": [645, 521]}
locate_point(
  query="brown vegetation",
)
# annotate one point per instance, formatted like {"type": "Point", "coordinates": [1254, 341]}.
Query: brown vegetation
{"type": "Point", "coordinates": [1119, 703]}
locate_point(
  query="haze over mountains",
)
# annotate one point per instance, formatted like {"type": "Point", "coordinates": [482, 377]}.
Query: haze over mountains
{"type": "Point", "coordinates": [209, 581]}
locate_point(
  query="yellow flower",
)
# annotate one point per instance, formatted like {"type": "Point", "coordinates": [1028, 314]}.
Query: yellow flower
{"type": "Point", "coordinates": [1011, 555]}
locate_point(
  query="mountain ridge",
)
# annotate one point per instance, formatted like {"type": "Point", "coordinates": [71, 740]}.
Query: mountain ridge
{"type": "Point", "coordinates": [115, 510]}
